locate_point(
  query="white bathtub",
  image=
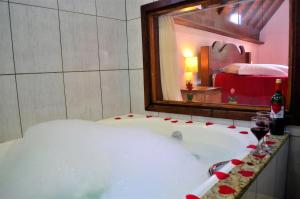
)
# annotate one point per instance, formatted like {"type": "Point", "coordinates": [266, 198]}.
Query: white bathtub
{"type": "Point", "coordinates": [212, 143]}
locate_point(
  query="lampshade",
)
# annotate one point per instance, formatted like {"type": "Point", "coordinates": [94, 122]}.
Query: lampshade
{"type": "Point", "coordinates": [191, 64]}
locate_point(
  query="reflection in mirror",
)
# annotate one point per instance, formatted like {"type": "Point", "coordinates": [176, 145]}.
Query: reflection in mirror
{"type": "Point", "coordinates": [230, 54]}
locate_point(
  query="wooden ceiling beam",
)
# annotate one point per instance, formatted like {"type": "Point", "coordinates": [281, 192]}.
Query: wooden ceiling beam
{"type": "Point", "coordinates": [254, 7]}
{"type": "Point", "coordinates": [264, 8]}
{"type": "Point", "coordinates": [244, 7]}
{"type": "Point", "coordinates": [268, 15]}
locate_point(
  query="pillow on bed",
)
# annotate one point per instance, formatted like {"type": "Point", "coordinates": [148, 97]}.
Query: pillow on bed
{"type": "Point", "coordinates": [256, 69]}
{"type": "Point", "coordinates": [232, 68]}
{"type": "Point", "coordinates": [281, 67]}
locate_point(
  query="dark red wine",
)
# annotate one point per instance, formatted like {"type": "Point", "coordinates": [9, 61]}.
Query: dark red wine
{"type": "Point", "coordinates": [260, 132]}
{"type": "Point", "coordinates": [261, 124]}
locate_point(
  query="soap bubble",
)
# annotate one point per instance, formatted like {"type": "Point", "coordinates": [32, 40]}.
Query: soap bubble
{"type": "Point", "coordinates": [84, 160]}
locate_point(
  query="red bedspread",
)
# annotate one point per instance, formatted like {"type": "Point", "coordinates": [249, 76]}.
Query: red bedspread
{"type": "Point", "coordinates": [249, 89]}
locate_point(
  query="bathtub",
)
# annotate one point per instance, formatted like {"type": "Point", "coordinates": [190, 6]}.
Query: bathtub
{"type": "Point", "coordinates": [211, 143]}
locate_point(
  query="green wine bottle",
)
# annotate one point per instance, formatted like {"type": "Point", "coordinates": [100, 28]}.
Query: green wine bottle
{"type": "Point", "coordinates": [277, 110]}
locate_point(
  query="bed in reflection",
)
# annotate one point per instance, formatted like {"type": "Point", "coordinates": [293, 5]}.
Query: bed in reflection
{"type": "Point", "coordinates": [228, 68]}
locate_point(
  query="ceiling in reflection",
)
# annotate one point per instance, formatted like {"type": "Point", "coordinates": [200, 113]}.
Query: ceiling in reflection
{"type": "Point", "coordinates": [245, 18]}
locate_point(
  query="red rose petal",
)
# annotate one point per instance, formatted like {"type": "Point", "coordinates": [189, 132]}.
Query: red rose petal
{"type": "Point", "coordinates": [118, 118]}
{"type": "Point", "coordinates": [251, 146]}
{"type": "Point", "coordinates": [189, 122]}
{"type": "Point", "coordinates": [221, 175]}
{"type": "Point", "coordinates": [236, 162]}
{"type": "Point", "coordinates": [231, 127]}
{"type": "Point", "coordinates": [167, 118]}
{"type": "Point", "coordinates": [209, 123]}
{"type": "Point", "coordinates": [270, 142]}
{"type": "Point", "coordinates": [174, 121]}
{"type": "Point", "coordinates": [224, 189]}
{"type": "Point", "coordinates": [130, 115]}
{"type": "Point", "coordinates": [148, 116]}
{"type": "Point", "coordinates": [191, 196]}
{"type": "Point", "coordinates": [259, 156]}
{"type": "Point", "coordinates": [244, 132]}
{"type": "Point", "coordinates": [246, 173]}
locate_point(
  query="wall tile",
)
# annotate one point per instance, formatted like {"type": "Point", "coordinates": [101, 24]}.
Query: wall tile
{"type": "Point", "coordinates": [113, 45]}
{"type": "Point", "coordinates": [281, 171]}
{"type": "Point", "coordinates": [137, 91]}
{"type": "Point", "coordinates": [6, 56]}
{"type": "Point", "coordinates": [115, 92]}
{"type": "Point", "coordinates": [41, 98]}
{"type": "Point", "coordinates": [83, 95]}
{"type": "Point", "coordinates": [154, 114]}
{"type": "Point", "coordinates": [36, 39]}
{"type": "Point", "coordinates": [43, 3]}
{"type": "Point", "coordinates": [267, 177]}
{"type": "Point", "coordinates": [113, 9]}
{"type": "Point", "coordinates": [135, 51]}
{"type": "Point", "coordinates": [214, 120]}
{"type": "Point", "coordinates": [82, 6]}
{"type": "Point", "coordinates": [9, 116]}
{"type": "Point", "coordinates": [175, 116]}
{"type": "Point", "coordinates": [293, 174]}
{"type": "Point", "coordinates": [251, 192]}
{"type": "Point", "coordinates": [133, 8]}
{"type": "Point", "coordinates": [79, 42]}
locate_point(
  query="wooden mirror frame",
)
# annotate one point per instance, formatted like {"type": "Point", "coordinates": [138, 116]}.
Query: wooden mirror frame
{"type": "Point", "coordinates": [152, 84]}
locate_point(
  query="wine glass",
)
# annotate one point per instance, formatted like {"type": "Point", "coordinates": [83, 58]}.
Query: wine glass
{"type": "Point", "coordinates": [260, 127]}
{"type": "Point", "coordinates": [266, 114]}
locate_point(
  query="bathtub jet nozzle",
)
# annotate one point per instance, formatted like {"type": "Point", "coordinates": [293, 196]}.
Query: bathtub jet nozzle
{"type": "Point", "coordinates": [177, 135]}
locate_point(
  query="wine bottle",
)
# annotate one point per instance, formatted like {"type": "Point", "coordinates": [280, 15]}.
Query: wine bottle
{"type": "Point", "coordinates": [277, 110]}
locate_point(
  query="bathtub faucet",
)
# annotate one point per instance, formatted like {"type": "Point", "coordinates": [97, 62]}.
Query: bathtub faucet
{"type": "Point", "coordinates": [216, 167]}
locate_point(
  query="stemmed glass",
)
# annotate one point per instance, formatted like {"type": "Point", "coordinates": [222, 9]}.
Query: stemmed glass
{"type": "Point", "coordinates": [260, 127]}
{"type": "Point", "coordinates": [267, 115]}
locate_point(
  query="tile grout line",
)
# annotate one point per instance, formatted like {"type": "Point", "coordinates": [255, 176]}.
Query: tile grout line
{"type": "Point", "coordinates": [62, 61]}
{"type": "Point", "coordinates": [15, 75]}
{"type": "Point", "coordinates": [62, 10]}
{"type": "Point", "coordinates": [129, 82]}
{"type": "Point", "coordinates": [98, 46]}
{"type": "Point", "coordinates": [133, 18]}
{"type": "Point", "coordinates": [74, 71]}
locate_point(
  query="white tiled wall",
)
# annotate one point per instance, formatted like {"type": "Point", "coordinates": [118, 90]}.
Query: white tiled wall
{"type": "Point", "coordinates": [115, 91]}
{"type": "Point", "coordinates": [79, 41]}
{"type": "Point", "coordinates": [6, 55]}
{"type": "Point", "coordinates": [36, 39]}
{"type": "Point", "coordinates": [62, 59]}
{"type": "Point", "coordinates": [9, 116]}
{"type": "Point", "coordinates": [86, 6]}
{"type": "Point", "coordinates": [113, 44]}
{"type": "Point", "coordinates": [41, 98]}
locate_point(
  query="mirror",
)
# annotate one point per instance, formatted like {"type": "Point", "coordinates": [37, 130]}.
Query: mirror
{"type": "Point", "coordinates": [231, 32]}
{"type": "Point", "coordinates": [224, 54]}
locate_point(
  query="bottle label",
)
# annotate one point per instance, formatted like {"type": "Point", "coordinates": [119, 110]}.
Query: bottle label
{"type": "Point", "coordinates": [277, 111]}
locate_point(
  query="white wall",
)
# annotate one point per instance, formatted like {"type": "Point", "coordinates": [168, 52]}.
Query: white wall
{"type": "Point", "coordinates": [276, 37]}
{"type": "Point", "coordinates": [68, 59]}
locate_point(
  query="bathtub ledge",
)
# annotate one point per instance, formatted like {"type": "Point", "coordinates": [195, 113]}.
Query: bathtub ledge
{"type": "Point", "coordinates": [240, 183]}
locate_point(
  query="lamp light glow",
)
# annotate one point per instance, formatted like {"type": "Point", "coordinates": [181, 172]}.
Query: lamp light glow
{"type": "Point", "coordinates": [191, 64]}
